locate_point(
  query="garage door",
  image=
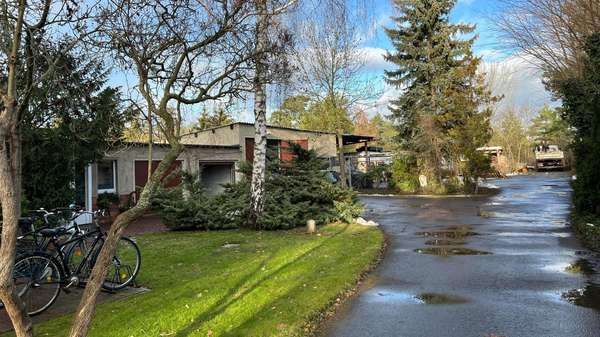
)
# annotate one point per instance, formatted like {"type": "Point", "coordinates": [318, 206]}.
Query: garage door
{"type": "Point", "coordinates": [214, 175]}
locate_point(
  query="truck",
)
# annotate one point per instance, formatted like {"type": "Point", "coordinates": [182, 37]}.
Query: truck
{"type": "Point", "coordinates": [549, 157]}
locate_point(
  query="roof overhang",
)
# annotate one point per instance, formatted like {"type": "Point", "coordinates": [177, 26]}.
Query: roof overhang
{"type": "Point", "coordinates": [348, 139]}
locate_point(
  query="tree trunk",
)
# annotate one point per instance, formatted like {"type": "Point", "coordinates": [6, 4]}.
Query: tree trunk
{"type": "Point", "coordinates": [11, 210]}
{"type": "Point", "coordinates": [87, 305]}
{"type": "Point", "coordinates": [10, 186]}
{"type": "Point", "coordinates": [257, 187]}
{"type": "Point", "coordinates": [150, 144]}
{"type": "Point", "coordinates": [342, 160]}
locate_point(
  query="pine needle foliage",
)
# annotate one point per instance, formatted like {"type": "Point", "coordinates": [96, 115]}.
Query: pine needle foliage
{"type": "Point", "coordinates": [296, 192]}
{"type": "Point", "coordinates": [442, 114]}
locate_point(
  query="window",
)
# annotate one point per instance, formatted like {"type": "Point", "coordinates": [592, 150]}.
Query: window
{"type": "Point", "coordinates": [107, 176]}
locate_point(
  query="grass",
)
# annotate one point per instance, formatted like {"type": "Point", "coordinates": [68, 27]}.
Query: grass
{"type": "Point", "coordinates": [272, 284]}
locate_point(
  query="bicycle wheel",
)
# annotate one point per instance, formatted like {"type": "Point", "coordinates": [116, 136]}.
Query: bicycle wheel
{"type": "Point", "coordinates": [37, 278]}
{"type": "Point", "coordinates": [124, 266]}
{"type": "Point", "coordinates": [75, 254]}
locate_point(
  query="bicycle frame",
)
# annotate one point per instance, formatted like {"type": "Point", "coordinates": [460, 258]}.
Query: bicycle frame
{"type": "Point", "coordinates": [61, 254]}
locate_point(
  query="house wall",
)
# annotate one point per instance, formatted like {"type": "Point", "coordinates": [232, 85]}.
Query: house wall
{"type": "Point", "coordinates": [235, 134]}
{"type": "Point", "coordinates": [126, 157]}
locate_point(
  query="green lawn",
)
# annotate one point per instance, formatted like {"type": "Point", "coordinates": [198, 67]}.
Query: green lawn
{"type": "Point", "coordinates": [273, 284]}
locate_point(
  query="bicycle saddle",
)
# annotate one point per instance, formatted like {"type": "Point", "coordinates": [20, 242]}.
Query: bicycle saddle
{"type": "Point", "coordinates": [53, 231]}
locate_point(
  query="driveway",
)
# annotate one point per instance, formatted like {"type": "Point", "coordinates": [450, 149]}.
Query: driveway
{"type": "Point", "coordinates": [502, 265]}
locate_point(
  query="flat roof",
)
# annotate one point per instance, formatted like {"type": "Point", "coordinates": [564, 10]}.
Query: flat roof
{"type": "Point", "coordinates": [184, 144]}
{"type": "Point", "coordinates": [347, 138]}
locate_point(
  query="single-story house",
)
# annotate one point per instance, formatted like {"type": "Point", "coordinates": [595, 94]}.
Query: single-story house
{"type": "Point", "coordinates": [214, 154]}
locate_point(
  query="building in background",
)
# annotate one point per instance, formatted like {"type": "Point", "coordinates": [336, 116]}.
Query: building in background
{"type": "Point", "coordinates": [214, 154]}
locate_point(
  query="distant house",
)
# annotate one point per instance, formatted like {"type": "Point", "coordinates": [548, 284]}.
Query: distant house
{"type": "Point", "coordinates": [214, 154]}
{"type": "Point", "coordinates": [497, 158]}
{"type": "Point", "coordinates": [369, 156]}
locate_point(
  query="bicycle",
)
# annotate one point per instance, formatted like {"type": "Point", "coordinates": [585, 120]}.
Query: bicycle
{"type": "Point", "coordinates": [40, 275]}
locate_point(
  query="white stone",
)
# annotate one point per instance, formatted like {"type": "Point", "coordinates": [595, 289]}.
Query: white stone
{"type": "Point", "coordinates": [364, 222]}
{"type": "Point", "coordinates": [423, 180]}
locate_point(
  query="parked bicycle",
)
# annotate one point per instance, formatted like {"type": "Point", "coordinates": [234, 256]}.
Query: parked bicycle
{"type": "Point", "coordinates": [64, 257]}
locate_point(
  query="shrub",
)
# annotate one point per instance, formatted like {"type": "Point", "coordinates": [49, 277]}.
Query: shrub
{"type": "Point", "coordinates": [296, 192]}
{"type": "Point", "coordinates": [105, 200]}
{"type": "Point", "coordinates": [361, 180]}
{"type": "Point", "coordinates": [404, 175]}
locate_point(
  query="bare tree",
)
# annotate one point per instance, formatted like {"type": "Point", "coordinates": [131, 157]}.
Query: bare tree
{"type": "Point", "coordinates": [182, 53]}
{"type": "Point", "coordinates": [329, 61]}
{"type": "Point", "coordinates": [272, 41]}
{"type": "Point", "coordinates": [25, 29]}
{"type": "Point", "coordinates": [257, 186]}
{"type": "Point", "coordinates": [552, 32]}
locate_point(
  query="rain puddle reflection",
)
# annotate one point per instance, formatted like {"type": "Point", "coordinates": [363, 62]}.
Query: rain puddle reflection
{"type": "Point", "coordinates": [434, 298]}
{"type": "Point", "coordinates": [442, 242]}
{"type": "Point", "coordinates": [422, 298]}
{"type": "Point", "coordinates": [588, 296]}
{"type": "Point", "coordinates": [448, 251]}
{"type": "Point", "coordinates": [450, 232]}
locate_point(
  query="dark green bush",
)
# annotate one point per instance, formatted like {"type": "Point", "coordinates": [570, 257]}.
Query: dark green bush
{"type": "Point", "coordinates": [105, 200]}
{"type": "Point", "coordinates": [296, 192]}
{"type": "Point", "coordinates": [404, 176]}
{"type": "Point", "coordinates": [581, 109]}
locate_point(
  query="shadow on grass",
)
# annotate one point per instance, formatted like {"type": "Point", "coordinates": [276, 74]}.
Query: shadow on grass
{"type": "Point", "coordinates": [247, 324]}
{"type": "Point", "coordinates": [228, 299]}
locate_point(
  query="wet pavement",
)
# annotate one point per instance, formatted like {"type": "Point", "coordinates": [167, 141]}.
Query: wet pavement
{"type": "Point", "coordinates": [501, 265]}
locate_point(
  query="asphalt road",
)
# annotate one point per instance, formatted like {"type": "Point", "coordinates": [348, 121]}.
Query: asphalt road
{"type": "Point", "coordinates": [502, 265]}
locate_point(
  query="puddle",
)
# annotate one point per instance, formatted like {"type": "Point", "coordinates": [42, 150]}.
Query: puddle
{"type": "Point", "coordinates": [442, 242]}
{"type": "Point", "coordinates": [391, 296]}
{"type": "Point", "coordinates": [434, 298]}
{"type": "Point", "coordinates": [485, 214]}
{"type": "Point", "coordinates": [451, 232]}
{"type": "Point", "coordinates": [581, 266]}
{"type": "Point", "coordinates": [422, 298]}
{"type": "Point", "coordinates": [588, 296]}
{"type": "Point", "coordinates": [448, 251]}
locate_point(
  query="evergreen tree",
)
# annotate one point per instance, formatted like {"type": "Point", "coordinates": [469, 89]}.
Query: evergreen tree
{"type": "Point", "coordinates": [71, 122]}
{"type": "Point", "coordinates": [386, 132]}
{"type": "Point", "coordinates": [289, 113]}
{"type": "Point", "coordinates": [581, 103]}
{"type": "Point", "coordinates": [219, 117]}
{"type": "Point", "coordinates": [441, 90]}
{"type": "Point", "coordinates": [548, 126]}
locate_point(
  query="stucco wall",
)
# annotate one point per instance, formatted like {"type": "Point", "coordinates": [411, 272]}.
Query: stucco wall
{"type": "Point", "coordinates": [323, 143]}
{"type": "Point", "coordinates": [228, 135]}
{"type": "Point", "coordinates": [191, 157]}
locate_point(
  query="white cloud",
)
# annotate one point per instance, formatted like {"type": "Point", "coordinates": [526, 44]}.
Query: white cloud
{"type": "Point", "coordinates": [374, 60]}
{"type": "Point", "coordinates": [520, 82]}
{"type": "Point", "coordinates": [515, 78]}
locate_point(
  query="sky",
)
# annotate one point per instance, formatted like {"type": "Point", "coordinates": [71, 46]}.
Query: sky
{"type": "Point", "coordinates": [521, 84]}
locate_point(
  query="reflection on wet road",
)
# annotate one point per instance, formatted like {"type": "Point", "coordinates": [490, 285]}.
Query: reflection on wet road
{"type": "Point", "coordinates": [503, 265]}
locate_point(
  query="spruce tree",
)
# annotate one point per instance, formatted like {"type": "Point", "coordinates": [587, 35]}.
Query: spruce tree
{"type": "Point", "coordinates": [441, 91]}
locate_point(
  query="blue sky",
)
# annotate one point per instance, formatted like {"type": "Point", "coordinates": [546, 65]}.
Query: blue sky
{"type": "Point", "coordinates": [521, 82]}
{"type": "Point", "coordinates": [469, 11]}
